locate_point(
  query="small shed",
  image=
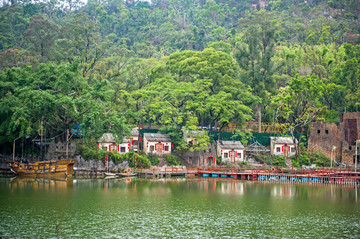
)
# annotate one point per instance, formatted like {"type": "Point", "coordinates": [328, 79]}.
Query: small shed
{"type": "Point", "coordinates": [282, 146]}
{"type": "Point", "coordinates": [157, 143]}
{"type": "Point", "coordinates": [231, 151]}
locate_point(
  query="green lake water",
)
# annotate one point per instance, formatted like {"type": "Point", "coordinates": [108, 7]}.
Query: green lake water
{"type": "Point", "coordinates": [176, 208]}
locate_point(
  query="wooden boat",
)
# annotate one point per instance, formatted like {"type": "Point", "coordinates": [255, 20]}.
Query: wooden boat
{"type": "Point", "coordinates": [50, 168]}
{"type": "Point", "coordinates": [110, 174]}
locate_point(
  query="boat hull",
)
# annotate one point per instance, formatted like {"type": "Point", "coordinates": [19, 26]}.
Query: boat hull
{"type": "Point", "coordinates": [51, 168]}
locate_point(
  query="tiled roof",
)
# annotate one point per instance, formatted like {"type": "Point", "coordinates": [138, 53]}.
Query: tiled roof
{"type": "Point", "coordinates": [107, 138]}
{"type": "Point", "coordinates": [282, 140]}
{"type": "Point", "coordinates": [155, 137]}
{"type": "Point", "coordinates": [230, 144]}
{"type": "Point", "coordinates": [134, 132]}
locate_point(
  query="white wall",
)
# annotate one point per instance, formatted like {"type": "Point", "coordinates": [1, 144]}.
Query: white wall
{"type": "Point", "coordinates": [239, 154]}
{"type": "Point", "coordinates": [274, 149]}
{"type": "Point", "coordinates": [126, 145]}
{"type": "Point", "coordinates": [147, 146]}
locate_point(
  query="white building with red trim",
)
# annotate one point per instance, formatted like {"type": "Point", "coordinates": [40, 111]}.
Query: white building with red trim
{"type": "Point", "coordinates": [130, 143]}
{"type": "Point", "coordinates": [124, 146]}
{"type": "Point", "coordinates": [157, 143]}
{"type": "Point", "coordinates": [231, 151]}
{"type": "Point", "coordinates": [283, 146]}
{"type": "Point", "coordinates": [107, 142]}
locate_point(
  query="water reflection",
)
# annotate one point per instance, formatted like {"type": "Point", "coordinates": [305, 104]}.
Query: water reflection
{"type": "Point", "coordinates": [176, 207]}
{"type": "Point", "coordinates": [211, 186]}
{"type": "Point", "coordinates": [40, 184]}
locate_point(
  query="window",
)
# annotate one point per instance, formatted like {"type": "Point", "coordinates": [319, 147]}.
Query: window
{"type": "Point", "coordinates": [226, 155]}
{"type": "Point", "coordinates": [152, 148]}
{"type": "Point", "coordinates": [327, 131]}
{"type": "Point", "coordinates": [122, 149]}
{"type": "Point", "coordinates": [318, 131]}
{"type": "Point", "coordinates": [277, 149]}
{"type": "Point", "coordinates": [166, 148]}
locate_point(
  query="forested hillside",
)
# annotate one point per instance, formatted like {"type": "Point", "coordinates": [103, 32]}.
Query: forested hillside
{"type": "Point", "coordinates": [112, 65]}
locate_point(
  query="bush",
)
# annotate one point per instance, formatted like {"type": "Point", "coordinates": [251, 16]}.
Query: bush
{"type": "Point", "coordinates": [308, 157]}
{"type": "Point", "coordinates": [172, 160]}
{"type": "Point", "coordinates": [143, 162]}
{"type": "Point", "coordinates": [303, 159]}
{"type": "Point", "coordinates": [320, 159]}
{"type": "Point", "coordinates": [89, 153]}
{"type": "Point", "coordinates": [218, 160]}
{"type": "Point", "coordinates": [154, 160]}
{"type": "Point", "coordinates": [278, 161]}
{"type": "Point", "coordinates": [130, 157]}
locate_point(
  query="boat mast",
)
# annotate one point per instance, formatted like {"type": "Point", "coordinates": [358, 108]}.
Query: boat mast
{"type": "Point", "coordinates": [67, 144]}
{"type": "Point", "coordinates": [14, 148]}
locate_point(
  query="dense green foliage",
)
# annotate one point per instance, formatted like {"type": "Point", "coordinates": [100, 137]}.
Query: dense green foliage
{"type": "Point", "coordinates": [154, 160]}
{"type": "Point", "coordinates": [107, 66]}
{"type": "Point", "coordinates": [143, 161]}
{"type": "Point", "coordinates": [311, 157]}
{"type": "Point", "coordinates": [278, 161]}
{"type": "Point", "coordinates": [172, 160]}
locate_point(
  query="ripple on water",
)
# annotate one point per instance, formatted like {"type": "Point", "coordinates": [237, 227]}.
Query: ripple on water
{"type": "Point", "coordinates": [179, 210]}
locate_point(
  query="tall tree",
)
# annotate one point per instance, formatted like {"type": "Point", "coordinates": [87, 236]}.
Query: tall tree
{"type": "Point", "coordinates": [299, 103]}
{"type": "Point", "coordinates": [41, 34]}
{"type": "Point", "coordinates": [60, 96]}
{"type": "Point", "coordinates": [254, 54]}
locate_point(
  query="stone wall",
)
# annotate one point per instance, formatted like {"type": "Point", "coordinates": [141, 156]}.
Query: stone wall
{"type": "Point", "coordinates": [198, 158]}
{"type": "Point", "coordinates": [81, 163]}
{"type": "Point", "coordinates": [57, 151]}
{"type": "Point", "coordinates": [350, 127]}
{"type": "Point", "coordinates": [323, 136]}
{"type": "Point", "coordinates": [350, 132]}
{"type": "Point", "coordinates": [348, 156]}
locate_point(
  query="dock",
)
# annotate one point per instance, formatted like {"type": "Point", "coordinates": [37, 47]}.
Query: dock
{"type": "Point", "coordinates": [325, 175]}
{"type": "Point", "coordinates": [167, 172]}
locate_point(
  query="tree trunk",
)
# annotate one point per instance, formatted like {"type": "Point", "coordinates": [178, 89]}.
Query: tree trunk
{"type": "Point", "coordinates": [258, 109]}
{"type": "Point", "coordinates": [42, 49]}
